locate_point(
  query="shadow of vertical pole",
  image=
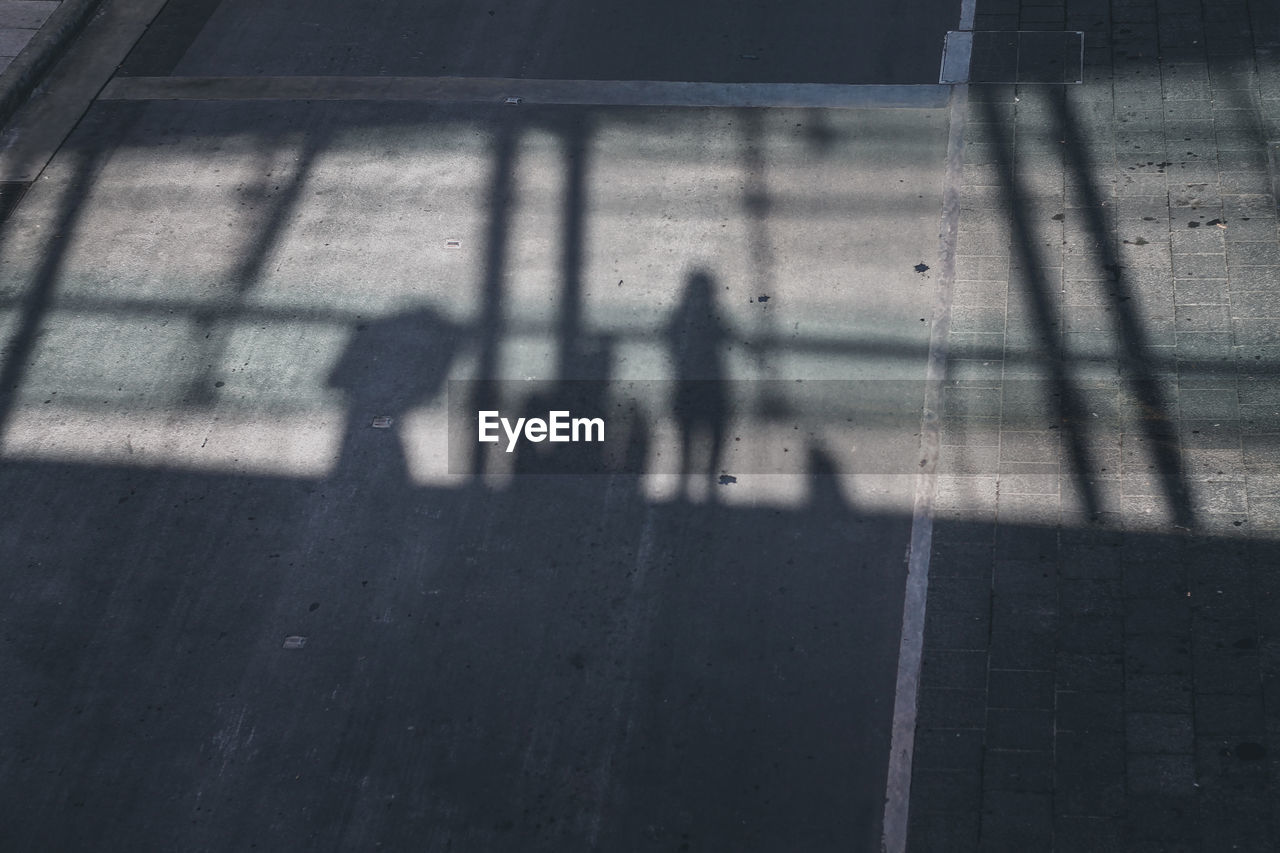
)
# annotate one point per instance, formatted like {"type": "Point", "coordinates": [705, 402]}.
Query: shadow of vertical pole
{"type": "Point", "coordinates": [39, 296]}
{"type": "Point", "coordinates": [1068, 403]}
{"type": "Point", "coordinates": [569, 325]}
{"type": "Point", "coordinates": [1136, 369]}
{"type": "Point", "coordinates": [492, 310]}
{"type": "Point", "coordinates": [758, 205]}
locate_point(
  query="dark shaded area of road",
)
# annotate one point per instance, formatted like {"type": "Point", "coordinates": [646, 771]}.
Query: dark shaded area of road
{"type": "Point", "coordinates": [810, 41]}
{"type": "Point", "coordinates": [560, 665]}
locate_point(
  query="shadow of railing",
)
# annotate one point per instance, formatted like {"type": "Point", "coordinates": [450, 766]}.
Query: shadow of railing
{"type": "Point", "coordinates": [1156, 418]}
{"type": "Point", "coordinates": [560, 663]}
{"type": "Point", "coordinates": [1065, 397]}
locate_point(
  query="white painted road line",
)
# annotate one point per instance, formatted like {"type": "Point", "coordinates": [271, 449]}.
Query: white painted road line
{"type": "Point", "coordinates": [911, 650]}
{"type": "Point", "coordinates": [497, 90]}
{"type": "Point", "coordinates": [897, 800]}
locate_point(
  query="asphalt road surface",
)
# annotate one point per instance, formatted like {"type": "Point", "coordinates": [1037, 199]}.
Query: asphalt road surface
{"type": "Point", "coordinates": [239, 616]}
{"type": "Point", "coordinates": [806, 41]}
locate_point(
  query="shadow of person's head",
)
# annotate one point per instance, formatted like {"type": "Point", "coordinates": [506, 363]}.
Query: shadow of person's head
{"type": "Point", "coordinates": [396, 362]}
{"type": "Point", "coordinates": [390, 365]}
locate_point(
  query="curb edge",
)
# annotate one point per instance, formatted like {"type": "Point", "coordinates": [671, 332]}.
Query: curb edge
{"type": "Point", "coordinates": [47, 46]}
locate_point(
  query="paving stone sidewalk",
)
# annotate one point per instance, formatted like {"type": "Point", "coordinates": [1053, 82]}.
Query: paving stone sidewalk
{"type": "Point", "coordinates": [19, 22]}
{"type": "Point", "coordinates": [1102, 645]}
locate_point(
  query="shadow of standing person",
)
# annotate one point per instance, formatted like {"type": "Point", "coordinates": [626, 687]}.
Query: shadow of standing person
{"type": "Point", "coordinates": [696, 335]}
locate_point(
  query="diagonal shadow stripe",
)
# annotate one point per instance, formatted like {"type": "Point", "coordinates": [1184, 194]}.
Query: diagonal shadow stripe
{"type": "Point", "coordinates": [1136, 368]}
{"type": "Point", "coordinates": [1067, 401]}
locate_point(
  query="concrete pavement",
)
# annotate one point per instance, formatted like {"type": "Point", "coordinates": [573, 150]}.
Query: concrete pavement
{"type": "Point", "coordinates": [242, 616]}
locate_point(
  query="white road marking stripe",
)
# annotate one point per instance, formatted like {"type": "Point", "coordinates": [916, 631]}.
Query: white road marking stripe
{"type": "Point", "coordinates": [911, 648]}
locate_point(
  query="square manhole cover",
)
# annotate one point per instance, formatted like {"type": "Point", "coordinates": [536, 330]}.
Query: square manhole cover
{"type": "Point", "coordinates": [1011, 56]}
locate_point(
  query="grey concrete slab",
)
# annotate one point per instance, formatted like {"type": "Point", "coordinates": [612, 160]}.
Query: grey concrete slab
{"type": "Point", "coordinates": [26, 14]}
{"type": "Point", "coordinates": [207, 303]}
{"type": "Point", "coordinates": [13, 40]}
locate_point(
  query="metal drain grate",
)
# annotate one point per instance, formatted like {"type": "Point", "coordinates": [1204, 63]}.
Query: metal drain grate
{"type": "Point", "coordinates": [1013, 56]}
